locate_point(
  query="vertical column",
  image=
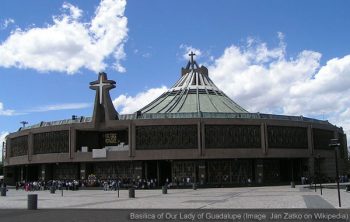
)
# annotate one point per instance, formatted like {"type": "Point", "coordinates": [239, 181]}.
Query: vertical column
{"type": "Point", "coordinates": [158, 173]}
{"type": "Point", "coordinates": [345, 146]}
{"type": "Point", "coordinates": [345, 141]}
{"type": "Point", "coordinates": [259, 171]}
{"type": "Point", "coordinates": [263, 138]}
{"type": "Point", "coordinates": [22, 173]}
{"type": "Point", "coordinates": [266, 139]}
{"type": "Point", "coordinates": [194, 172]}
{"type": "Point", "coordinates": [4, 151]}
{"type": "Point", "coordinates": [311, 166]}
{"type": "Point", "coordinates": [199, 140]}
{"type": "Point", "coordinates": [339, 151]}
{"type": "Point", "coordinates": [27, 172]}
{"type": "Point", "coordinates": [30, 146]}
{"type": "Point", "coordinates": [83, 171]}
{"type": "Point", "coordinates": [310, 142]}
{"type": "Point", "coordinates": [72, 142]}
{"type": "Point", "coordinates": [201, 172]}
{"type": "Point", "coordinates": [231, 171]}
{"type": "Point", "coordinates": [132, 139]}
{"type": "Point", "coordinates": [8, 149]}
{"type": "Point", "coordinates": [203, 138]}
{"type": "Point", "coordinates": [43, 171]}
{"type": "Point", "coordinates": [146, 169]}
{"type": "Point", "coordinates": [137, 169]}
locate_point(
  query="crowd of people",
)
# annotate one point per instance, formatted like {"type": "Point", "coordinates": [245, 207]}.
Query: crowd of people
{"type": "Point", "coordinates": [110, 184]}
{"type": "Point", "coordinates": [306, 180]}
{"type": "Point", "coordinates": [105, 184]}
{"type": "Point", "coordinates": [122, 183]}
{"type": "Point", "coordinates": [45, 185]}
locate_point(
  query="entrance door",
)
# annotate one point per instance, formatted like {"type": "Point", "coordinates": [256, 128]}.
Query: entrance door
{"type": "Point", "coordinates": [33, 172]}
{"type": "Point", "coordinates": [89, 169]}
{"type": "Point", "coordinates": [164, 171]}
{"type": "Point", "coordinates": [151, 172]}
{"type": "Point", "coordinates": [160, 170]}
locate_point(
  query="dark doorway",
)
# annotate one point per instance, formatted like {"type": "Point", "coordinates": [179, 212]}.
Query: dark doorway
{"type": "Point", "coordinates": [158, 169]}
{"type": "Point", "coordinates": [89, 169]}
{"type": "Point", "coordinates": [17, 176]}
{"type": "Point", "coordinates": [290, 170]}
{"type": "Point", "coordinates": [151, 170]}
{"type": "Point", "coordinates": [49, 168]}
{"type": "Point", "coordinates": [33, 172]}
{"type": "Point", "coordinates": [164, 171]}
{"type": "Point", "coordinates": [285, 170]}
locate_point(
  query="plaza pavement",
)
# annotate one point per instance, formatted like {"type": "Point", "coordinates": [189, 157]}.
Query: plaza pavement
{"type": "Point", "coordinates": [222, 198]}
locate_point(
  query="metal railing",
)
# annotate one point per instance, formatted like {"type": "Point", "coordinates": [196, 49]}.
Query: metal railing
{"type": "Point", "coordinates": [207, 115]}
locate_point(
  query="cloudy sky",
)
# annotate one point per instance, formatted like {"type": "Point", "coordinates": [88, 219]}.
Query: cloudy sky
{"type": "Point", "coordinates": [284, 57]}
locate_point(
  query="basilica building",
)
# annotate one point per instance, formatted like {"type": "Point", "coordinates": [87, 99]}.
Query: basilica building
{"type": "Point", "coordinates": [193, 131]}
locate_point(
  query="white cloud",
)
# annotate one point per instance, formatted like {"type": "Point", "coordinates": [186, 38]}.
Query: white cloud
{"type": "Point", "coordinates": [187, 49]}
{"type": "Point", "coordinates": [6, 23]}
{"type": "Point", "coordinates": [3, 134]}
{"type": "Point", "coordinates": [128, 104]}
{"type": "Point", "coordinates": [56, 107]}
{"type": "Point", "coordinates": [5, 112]}
{"type": "Point", "coordinates": [68, 44]}
{"type": "Point", "coordinates": [46, 108]}
{"type": "Point", "coordinates": [74, 11]}
{"type": "Point", "coordinates": [263, 79]}
{"type": "Point", "coordinates": [260, 78]}
{"type": "Point", "coordinates": [143, 54]}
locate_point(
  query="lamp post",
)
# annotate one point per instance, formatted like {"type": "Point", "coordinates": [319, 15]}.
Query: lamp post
{"type": "Point", "coordinates": [319, 171]}
{"type": "Point", "coordinates": [335, 143]}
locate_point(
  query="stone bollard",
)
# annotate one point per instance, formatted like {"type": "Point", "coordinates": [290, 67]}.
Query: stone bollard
{"type": "Point", "coordinates": [292, 184]}
{"type": "Point", "coordinates": [3, 191]}
{"type": "Point", "coordinates": [32, 201]}
{"type": "Point", "coordinates": [194, 186]}
{"type": "Point", "coordinates": [52, 189]}
{"type": "Point", "coordinates": [132, 193]}
{"type": "Point", "coordinates": [164, 189]}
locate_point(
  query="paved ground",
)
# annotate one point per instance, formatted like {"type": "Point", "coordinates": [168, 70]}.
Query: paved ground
{"type": "Point", "coordinates": [224, 198]}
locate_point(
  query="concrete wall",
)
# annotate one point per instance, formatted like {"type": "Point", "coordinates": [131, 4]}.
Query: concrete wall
{"type": "Point", "coordinates": [201, 152]}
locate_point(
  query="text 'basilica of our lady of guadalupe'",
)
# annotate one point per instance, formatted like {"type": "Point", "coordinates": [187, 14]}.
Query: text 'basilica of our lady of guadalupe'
{"type": "Point", "coordinates": [193, 131]}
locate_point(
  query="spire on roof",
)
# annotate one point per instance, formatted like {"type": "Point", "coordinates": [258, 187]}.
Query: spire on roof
{"type": "Point", "coordinates": [193, 66]}
{"type": "Point", "coordinates": [192, 61]}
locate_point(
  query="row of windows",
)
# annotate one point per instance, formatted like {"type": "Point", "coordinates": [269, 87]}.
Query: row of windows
{"type": "Point", "coordinates": [186, 136]}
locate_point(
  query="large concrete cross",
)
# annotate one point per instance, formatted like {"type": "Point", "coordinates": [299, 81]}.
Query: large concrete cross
{"type": "Point", "coordinates": [100, 83]}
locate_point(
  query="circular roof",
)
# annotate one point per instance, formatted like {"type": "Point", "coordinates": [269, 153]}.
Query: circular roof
{"type": "Point", "coordinates": [193, 92]}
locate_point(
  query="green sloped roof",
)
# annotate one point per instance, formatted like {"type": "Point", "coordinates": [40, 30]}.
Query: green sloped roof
{"type": "Point", "coordinates": [193, 92]}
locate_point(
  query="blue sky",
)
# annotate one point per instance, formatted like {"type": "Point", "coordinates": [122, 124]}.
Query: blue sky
{"type": "Point", "coordinates": [284, 57]}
